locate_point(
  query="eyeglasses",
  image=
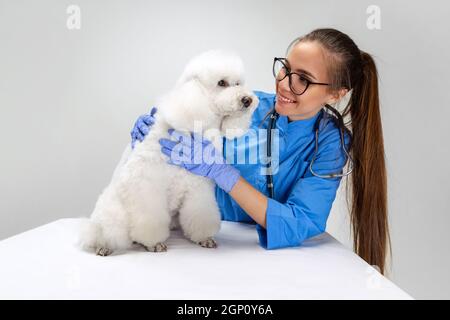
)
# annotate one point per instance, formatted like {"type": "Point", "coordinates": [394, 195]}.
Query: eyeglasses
{"type": "Point", "coordinates": [297, 82]}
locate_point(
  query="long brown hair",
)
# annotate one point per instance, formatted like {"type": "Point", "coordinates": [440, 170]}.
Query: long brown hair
{"type": "Point", "coordinates": [349, 67]}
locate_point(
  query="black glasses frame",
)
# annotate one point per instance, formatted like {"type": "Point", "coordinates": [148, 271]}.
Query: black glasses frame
{"type": "Point", "coordinates": [289, 74]}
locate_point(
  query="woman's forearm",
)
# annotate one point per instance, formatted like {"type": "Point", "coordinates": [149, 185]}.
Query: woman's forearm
{"type": "Point", "coordinates": [250, 200]}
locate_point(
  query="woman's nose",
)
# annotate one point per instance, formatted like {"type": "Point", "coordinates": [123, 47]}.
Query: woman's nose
{"type": "Point", "coordinates": [284, 84]}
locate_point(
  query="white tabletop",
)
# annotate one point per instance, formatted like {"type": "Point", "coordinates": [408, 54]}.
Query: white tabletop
{"type": "Point", "coordinates": [45, 263]}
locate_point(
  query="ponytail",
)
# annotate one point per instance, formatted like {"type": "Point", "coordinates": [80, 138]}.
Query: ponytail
{"type": "Point", "coordinates": [368, 212]}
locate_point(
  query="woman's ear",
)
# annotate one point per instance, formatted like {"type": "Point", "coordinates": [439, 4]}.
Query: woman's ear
{"type": "Point", "coordinates": [337, 95]}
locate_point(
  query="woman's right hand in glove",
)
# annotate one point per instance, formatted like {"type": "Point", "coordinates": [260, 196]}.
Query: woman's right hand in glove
{"type": "Point", "coordinates": [142, 127]}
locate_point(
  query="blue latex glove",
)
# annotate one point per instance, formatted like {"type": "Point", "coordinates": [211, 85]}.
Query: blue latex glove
{"type": "Point", "coordinates": [142, 127]}
{"type": "Point", "coordinates": [198, 155]}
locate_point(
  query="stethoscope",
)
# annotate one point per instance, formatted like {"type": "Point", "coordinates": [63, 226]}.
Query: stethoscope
{"type": "Point", "coordinates": [340, 122]}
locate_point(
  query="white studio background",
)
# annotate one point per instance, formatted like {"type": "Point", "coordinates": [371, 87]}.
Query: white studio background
{"type": "Point", "coordinates": [69, 97]}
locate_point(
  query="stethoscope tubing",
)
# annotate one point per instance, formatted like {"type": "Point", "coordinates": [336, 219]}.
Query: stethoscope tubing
{"type": "Point", "coordinates": [272, 122]}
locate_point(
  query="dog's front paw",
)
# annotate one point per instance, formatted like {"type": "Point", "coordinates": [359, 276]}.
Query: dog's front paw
{"type": "Point", "coordinates": [103, 252]}
{"type": "Point", "coordinates": [208, 243]}
{"type": "Point", "coordinates": [159, 247]}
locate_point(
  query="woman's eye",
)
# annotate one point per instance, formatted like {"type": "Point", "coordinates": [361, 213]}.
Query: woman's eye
{"type": "Point", "coordinates": [222, 83]}
{"type": "Point", "coordinates": [303, 79]}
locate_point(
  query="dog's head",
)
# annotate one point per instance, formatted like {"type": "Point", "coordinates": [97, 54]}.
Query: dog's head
{"type": "Point", "coordinates": [211, 90]}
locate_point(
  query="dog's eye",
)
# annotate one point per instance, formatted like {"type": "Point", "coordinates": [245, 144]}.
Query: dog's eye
{"type": "Point", "coordinates": [222, 83]}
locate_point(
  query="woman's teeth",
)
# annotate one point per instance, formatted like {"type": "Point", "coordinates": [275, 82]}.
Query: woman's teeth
{"type": "Point", "coordinates": [283, 99]}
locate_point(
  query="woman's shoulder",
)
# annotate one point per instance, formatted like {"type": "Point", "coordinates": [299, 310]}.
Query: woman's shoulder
{"type": "Point", "coordinates": [266, 103]}
{"type": "Point", "coordinates": [264, 95]}
{"type": "Point", "coordinates": [329, 140]}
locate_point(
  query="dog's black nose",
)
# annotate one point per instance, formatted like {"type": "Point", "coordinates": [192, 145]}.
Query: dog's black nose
{"type": "Point", "coordinates": [246, 101]}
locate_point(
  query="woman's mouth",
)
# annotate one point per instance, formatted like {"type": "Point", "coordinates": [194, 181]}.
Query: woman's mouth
{"type": "Point", "coordinates": [283, 99]}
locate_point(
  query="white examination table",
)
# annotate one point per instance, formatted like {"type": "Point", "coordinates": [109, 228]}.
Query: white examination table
{"type": "Point", "coordinates": [45, 263]}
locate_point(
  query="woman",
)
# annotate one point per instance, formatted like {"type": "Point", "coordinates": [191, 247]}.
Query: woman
{"type": "Point", "coordinates": [319, 69]}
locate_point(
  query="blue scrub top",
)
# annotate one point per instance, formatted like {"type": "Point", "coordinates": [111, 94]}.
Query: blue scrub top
{"type": "Point", "coordinates": [302, 202]}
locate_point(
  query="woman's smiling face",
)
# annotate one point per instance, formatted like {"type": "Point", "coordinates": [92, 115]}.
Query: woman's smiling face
{"type": "Point", "coordinates": [308, 59]}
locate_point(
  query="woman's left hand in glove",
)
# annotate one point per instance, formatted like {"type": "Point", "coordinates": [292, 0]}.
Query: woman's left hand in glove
{"type": "Point", "coordinates": [199, 156]}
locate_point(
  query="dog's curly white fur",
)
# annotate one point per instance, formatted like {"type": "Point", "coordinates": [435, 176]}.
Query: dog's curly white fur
{"type": "Point", "coordinates": [147, 196]}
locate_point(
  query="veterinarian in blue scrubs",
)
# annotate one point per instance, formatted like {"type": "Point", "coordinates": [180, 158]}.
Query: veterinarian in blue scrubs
{"type": "Point", "coordinates": [318, 70]}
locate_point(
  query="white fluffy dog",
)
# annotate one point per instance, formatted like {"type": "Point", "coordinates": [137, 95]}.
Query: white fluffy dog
{"type": "Point", "coordinates": [147, 196]}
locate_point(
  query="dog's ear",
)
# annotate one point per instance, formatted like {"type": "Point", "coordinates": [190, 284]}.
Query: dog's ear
{"type": "Point", "coordinates": [186, 106]}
